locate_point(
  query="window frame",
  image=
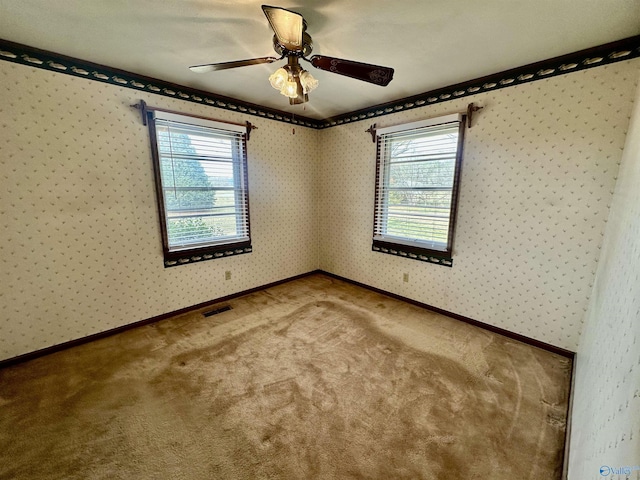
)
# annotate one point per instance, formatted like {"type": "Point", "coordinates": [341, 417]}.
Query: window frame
{"type": "Point", "coordinates": [215, 249]}
{"type": "Point", "coordinates": [413, 248]}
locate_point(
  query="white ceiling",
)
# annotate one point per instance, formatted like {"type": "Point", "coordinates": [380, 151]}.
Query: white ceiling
{"type": "Point", "coordinates": [429, 43]}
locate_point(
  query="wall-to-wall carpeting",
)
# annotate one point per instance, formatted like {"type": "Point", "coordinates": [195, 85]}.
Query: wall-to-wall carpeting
{"type": "Point", "coordinates": [315, 378]}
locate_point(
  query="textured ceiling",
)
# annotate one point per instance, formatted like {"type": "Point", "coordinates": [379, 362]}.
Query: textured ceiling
{"type": "Point", "coordinates": [430, 44]}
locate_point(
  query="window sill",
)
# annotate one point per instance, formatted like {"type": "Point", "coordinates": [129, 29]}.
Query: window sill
{"type": "Point", "coordinates": [201, 254]}
{"type": "Point", "coordinates": [414, 253]}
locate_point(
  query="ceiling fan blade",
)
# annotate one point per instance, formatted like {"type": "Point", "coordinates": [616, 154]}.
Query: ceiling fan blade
{"type": "Point", "coordinates": [361, 71]}
{"type": "Point", "coordinates": [287, 25]}
{"type": "Point", "coordinates": [212, 67]}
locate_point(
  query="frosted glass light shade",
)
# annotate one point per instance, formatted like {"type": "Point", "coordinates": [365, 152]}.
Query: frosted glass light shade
{"type": "Point", "coordinates": [293, 82]}
{"type": "Point", "coordinates": [278, 78]}
{"type": "Point", "coordinates": [290, 89]}
{"type": "Point", "coordinates": [308, 82]}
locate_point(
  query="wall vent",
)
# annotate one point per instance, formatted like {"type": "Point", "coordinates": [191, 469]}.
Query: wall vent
{"type": "Point", "coordinates": [216, 311]}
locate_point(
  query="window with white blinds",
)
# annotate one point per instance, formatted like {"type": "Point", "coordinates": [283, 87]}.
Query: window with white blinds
{"type": "Point", "coordinates": [201, 172]}
{"type": "Point", "coordinates": [417, 177]}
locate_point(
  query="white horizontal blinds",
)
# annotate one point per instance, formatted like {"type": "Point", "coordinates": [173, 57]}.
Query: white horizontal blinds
{"type": "Point", "coordinates": [415, 186]}
{"type": "Point", "coordinates": [203, 176]}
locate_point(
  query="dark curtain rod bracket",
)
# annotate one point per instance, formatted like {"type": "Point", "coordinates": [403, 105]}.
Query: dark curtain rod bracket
{"type": "Point", "coordinates": [372, 131]}
{"type": "Point", "coordinates": [471, 108]}
{"type": "Point", "coordinates": [144, 108]}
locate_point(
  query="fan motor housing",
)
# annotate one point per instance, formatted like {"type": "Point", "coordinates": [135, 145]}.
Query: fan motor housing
{"type": "Point", "coordinates": [307, 47]}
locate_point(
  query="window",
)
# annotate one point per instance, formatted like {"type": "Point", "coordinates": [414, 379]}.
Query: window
{"type": "Point", "coordinates": [417, 178]}
{"type": "Point", "coordinates": [201, 183]}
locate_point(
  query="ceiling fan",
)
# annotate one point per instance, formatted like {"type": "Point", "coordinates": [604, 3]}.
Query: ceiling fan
{"type": "Point", "coordinates": [293, 42]}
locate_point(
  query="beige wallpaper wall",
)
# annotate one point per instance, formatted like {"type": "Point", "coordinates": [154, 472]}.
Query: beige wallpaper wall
{"type": "Point", "coordinates": [81, 251]}
{"type": "Point", "coordinates": [539, 169]}
{"type": "Point", "coordinates": [78, 220]}
{"type": "Point", "coordinates": [606, 411]}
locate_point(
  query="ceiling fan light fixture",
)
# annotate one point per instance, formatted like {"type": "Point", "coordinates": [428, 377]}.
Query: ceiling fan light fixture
{"type": "Point", "coordinates": [287, 25]}
{"type": "Point", "coordinates": [293, 82]}
{"type": "Point", "coordinates": [301, 98]}
{"type": "Point", "coordinates": [309, 83]}
{"type": "Point", "coordinates": [291, 41]}
{"type": "Point", "coordinates": [279, 78]}
{"type": "Point", "coordinates": [290, 88]}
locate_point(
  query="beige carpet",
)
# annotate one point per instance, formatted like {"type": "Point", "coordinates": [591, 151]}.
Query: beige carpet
{"type": "Point", "coordinates": [315, 378]}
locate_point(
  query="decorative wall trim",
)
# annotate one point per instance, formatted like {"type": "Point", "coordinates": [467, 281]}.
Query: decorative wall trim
{"type": "Point", "coordinates": [400, 252]}
{"type": "Point", "coordinates": [34, 57]}
{"type": "Point", "coordinates": [231, 252]}
{"type": "Point", "coordinates": [573, 62]}
{"type": "Point", "coordinates": [617, 51]}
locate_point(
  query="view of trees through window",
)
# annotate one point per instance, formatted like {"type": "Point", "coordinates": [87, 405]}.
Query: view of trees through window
{"type": "Point", "coordinates": [198, 189]}
{"type": "Point", "coordinates": [420, 177]}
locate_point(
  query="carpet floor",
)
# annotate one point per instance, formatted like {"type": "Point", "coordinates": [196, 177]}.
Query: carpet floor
{"type": "Point", "coordinates": [313, 379]}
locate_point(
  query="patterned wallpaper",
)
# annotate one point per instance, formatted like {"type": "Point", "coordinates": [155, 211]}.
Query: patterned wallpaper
{"type": "Point", "coordinates": [539, 169]}
{"type": "Point", "coordinates": [79, 226]}
{"type": "Point", "coordinates": [607, 390]}
{"type": "Point", "coordinates": [81, 249]}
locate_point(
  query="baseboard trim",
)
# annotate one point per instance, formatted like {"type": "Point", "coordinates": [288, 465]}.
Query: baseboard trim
{"type": "Point", "coordinates": [486, 326]}
{"type": "Point", "coordinates": [113, 331]}
{"type": "Point", "coordinates": [123, 328]}
{"type": "Point", "coordinates": [569, 423]}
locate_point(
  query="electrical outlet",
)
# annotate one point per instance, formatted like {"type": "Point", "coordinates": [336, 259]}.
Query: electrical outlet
{"type": "Point", "coordinates": [227, 275]}
{"type": "Point", "coordinates": [405, 277]}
